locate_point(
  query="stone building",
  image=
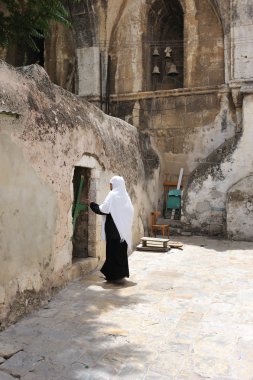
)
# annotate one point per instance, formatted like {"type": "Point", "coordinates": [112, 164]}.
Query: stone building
{"type": "Point", "coordinates": [49, 141]}
{"type": "Point", "coordinates": [181, 71]}
{"type": "Point", "coordinates": [196, 114]}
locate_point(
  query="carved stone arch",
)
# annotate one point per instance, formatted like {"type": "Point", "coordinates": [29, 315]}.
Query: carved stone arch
{"type": "Point", "coordinates": [204, 43]}
{"type": "Point", "coordinates": [85, 23]}
{"type": "Point", "coordinates": [216, 8]}
{"type": "Point", "coordinates": [223, 11]}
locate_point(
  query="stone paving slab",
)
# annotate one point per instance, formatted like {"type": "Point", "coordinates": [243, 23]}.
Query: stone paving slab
{"type": "Point", "coordinates": [21, 363]}
{"type": "Point", "coordinates": [183, 315]}
{"type": "Point", "coordinates": [7, 350]}
{"type": "Point", "coordinates": [6, 376]}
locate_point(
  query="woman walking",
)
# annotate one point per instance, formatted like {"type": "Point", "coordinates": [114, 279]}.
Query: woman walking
{"type": "Point", "coordinates": [117, 229]}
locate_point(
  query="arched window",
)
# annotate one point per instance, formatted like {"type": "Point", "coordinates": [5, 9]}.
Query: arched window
{"type": "Point", "coordinates": [165, 45]}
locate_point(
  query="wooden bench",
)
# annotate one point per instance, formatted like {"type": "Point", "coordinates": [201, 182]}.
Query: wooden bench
{"type": "Point", "coordinates": [153, 244]}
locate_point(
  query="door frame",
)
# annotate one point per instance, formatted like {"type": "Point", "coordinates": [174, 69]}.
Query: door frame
{"type": "Point", "coordinates": [89, 162]}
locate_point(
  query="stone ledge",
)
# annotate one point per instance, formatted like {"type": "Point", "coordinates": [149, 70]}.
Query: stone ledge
{"type": "Point", "coordinates": [162, 93]}
{"type": "Point", "coordinates": [80, 267]}
{"type": "Point", "coordinates": [247, 89]}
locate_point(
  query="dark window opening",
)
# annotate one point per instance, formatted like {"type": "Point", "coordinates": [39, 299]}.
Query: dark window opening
{"type": "Point", "coordinates": [80, 217]}
{"type": "Point", "coordinates": [37, 56]}
{"type": "Point", "coordinates": [21, 54]}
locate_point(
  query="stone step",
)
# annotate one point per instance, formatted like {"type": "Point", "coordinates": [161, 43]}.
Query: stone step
{"type": "Point", "coordinates": [152, 248]}
{"type": "Point", "coordinates": [80, 267]}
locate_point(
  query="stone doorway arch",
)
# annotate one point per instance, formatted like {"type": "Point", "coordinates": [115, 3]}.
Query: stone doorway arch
{"type": "Point", "coordinates": [89, 165]}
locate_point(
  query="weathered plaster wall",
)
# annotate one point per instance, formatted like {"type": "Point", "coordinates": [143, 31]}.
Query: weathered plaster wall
{"type": "Point", "coordinates": [209, 184]}
{"type": "Point", "coordinates": [56, 132]}
{"type": "Point", "coordinates": [184, 127]}
{"type": "Point", "coordinates": [239, 206]}
{"type": "Point", "coordinates": [28, 209]}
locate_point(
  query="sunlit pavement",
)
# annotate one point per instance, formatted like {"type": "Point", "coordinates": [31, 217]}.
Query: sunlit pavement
{"type": "Point", "coordinates": [182, 315]}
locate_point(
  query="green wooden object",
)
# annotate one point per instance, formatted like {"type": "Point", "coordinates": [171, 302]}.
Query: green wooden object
{"type": "Point", "coordinates": [174, 199]}
{"type": "Point", "coordinates": [78, 206]}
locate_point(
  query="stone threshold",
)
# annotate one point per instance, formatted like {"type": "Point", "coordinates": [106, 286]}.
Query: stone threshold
{"type": "Point", "coordinates": [81, 267]}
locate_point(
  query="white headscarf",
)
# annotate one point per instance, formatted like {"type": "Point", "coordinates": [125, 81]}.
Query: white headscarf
{"type": "Point", "coordinates": [119, 205]}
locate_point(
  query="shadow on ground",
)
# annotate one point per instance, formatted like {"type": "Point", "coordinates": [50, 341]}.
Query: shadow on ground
{"type": "Point", "coordinates": [72, 339]}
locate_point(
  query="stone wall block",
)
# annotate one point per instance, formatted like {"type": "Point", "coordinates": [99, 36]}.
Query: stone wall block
{"type": "Point", "coordinates": [88, 71]}
{"type": "Point", "coordinates": [195, 103]}
{"type": "Point", "coordinates": [171, 119]}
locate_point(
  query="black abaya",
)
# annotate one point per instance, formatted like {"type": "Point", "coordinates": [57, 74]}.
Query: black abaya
{"type": "Point", "coordinates": [116, 263]}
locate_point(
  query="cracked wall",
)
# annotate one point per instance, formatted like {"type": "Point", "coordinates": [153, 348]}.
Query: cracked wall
{"type": "Point", "coordinates": [207, 201]}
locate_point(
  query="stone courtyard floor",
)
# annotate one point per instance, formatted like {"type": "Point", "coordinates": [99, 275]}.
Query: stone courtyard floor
{"type": "Point", "coordinates": [182, 315]}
